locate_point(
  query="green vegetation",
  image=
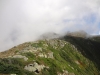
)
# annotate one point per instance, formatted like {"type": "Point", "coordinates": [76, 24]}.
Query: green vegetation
{"type": "Point", "coordinates": [13, 66]}
{"type": "Point", "coordinates": [89, 47]}
{"type": "Point", "coordinates": [30, 55]}
{"type": "Point", "coordinates": [67, 57]}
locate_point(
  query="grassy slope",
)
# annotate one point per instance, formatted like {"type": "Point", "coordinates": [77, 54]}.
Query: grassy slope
{"type": "Point", "coordinates": [89, 47]}
{"type": "Point", "coordinates": [64, 59]}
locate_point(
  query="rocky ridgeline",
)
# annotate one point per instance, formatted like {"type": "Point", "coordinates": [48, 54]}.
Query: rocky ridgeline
{"type": "Point", "coordinates": [38, 52]}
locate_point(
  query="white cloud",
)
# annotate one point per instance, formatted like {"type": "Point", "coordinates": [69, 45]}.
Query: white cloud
{"type": "Point", "coordinates": [25, 20]}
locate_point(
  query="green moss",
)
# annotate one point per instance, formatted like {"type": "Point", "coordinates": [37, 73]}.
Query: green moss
{"type": "Point", "coordinates": [30, 55]}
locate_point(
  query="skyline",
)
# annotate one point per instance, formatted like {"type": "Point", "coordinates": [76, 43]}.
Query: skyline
{"type": "Point", "coordinates": [26, 20]}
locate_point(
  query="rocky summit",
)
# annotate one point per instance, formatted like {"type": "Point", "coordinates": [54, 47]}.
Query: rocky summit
{"type": "Point", "coordinates": [65, 56]}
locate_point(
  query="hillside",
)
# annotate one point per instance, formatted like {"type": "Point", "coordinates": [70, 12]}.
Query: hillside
{"type": "Point", "coordinates": [66, 56]}
{"type": "Point", "coordinates": [89, 47]}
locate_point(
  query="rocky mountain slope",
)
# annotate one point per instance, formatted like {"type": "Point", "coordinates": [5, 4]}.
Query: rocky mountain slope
{"type": "Point", "coordinates": [66, 56]}
{"type": "Point", "coordinates": [89, 47]}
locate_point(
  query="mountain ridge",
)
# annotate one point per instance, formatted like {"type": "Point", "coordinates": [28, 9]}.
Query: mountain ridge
{"type": "Point", "coordinates": [62, 56]}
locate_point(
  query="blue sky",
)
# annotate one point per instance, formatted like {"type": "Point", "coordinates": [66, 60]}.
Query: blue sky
{"type": "Point", "coordinates": [91, 19]}
{"type": "Point", "coordinates": [26, 20]}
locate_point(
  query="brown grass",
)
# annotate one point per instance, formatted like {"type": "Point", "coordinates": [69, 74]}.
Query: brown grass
{"type": "Point", "coordinates": [13, 50]}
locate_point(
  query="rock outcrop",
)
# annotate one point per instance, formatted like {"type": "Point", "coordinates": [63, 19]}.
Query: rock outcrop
{"type": "Point", "coordinates": [20, 56]}
{"type": "Point", "coordinates": [35, 67]}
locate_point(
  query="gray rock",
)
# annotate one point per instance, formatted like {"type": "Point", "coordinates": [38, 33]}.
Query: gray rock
{"type": "Point", "coordinates": [12, 74]}
{"type": "Point", "coordinates": [34, 67]}
{"type": "Point", "coordinates": [50, 55]}
{"type": "Point", "coordinates": [20, 56]}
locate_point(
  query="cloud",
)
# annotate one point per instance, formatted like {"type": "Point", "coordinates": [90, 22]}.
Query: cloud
{"type": "Point", "coordinates": [26, 20]}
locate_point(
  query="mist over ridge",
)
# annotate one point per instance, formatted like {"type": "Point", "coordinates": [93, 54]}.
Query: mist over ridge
{"type": "Point", "coordinates": [22, 21]}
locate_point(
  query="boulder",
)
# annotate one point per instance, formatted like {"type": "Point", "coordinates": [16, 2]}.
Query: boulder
{"type": "Point", "coordinates": [35, 67]}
